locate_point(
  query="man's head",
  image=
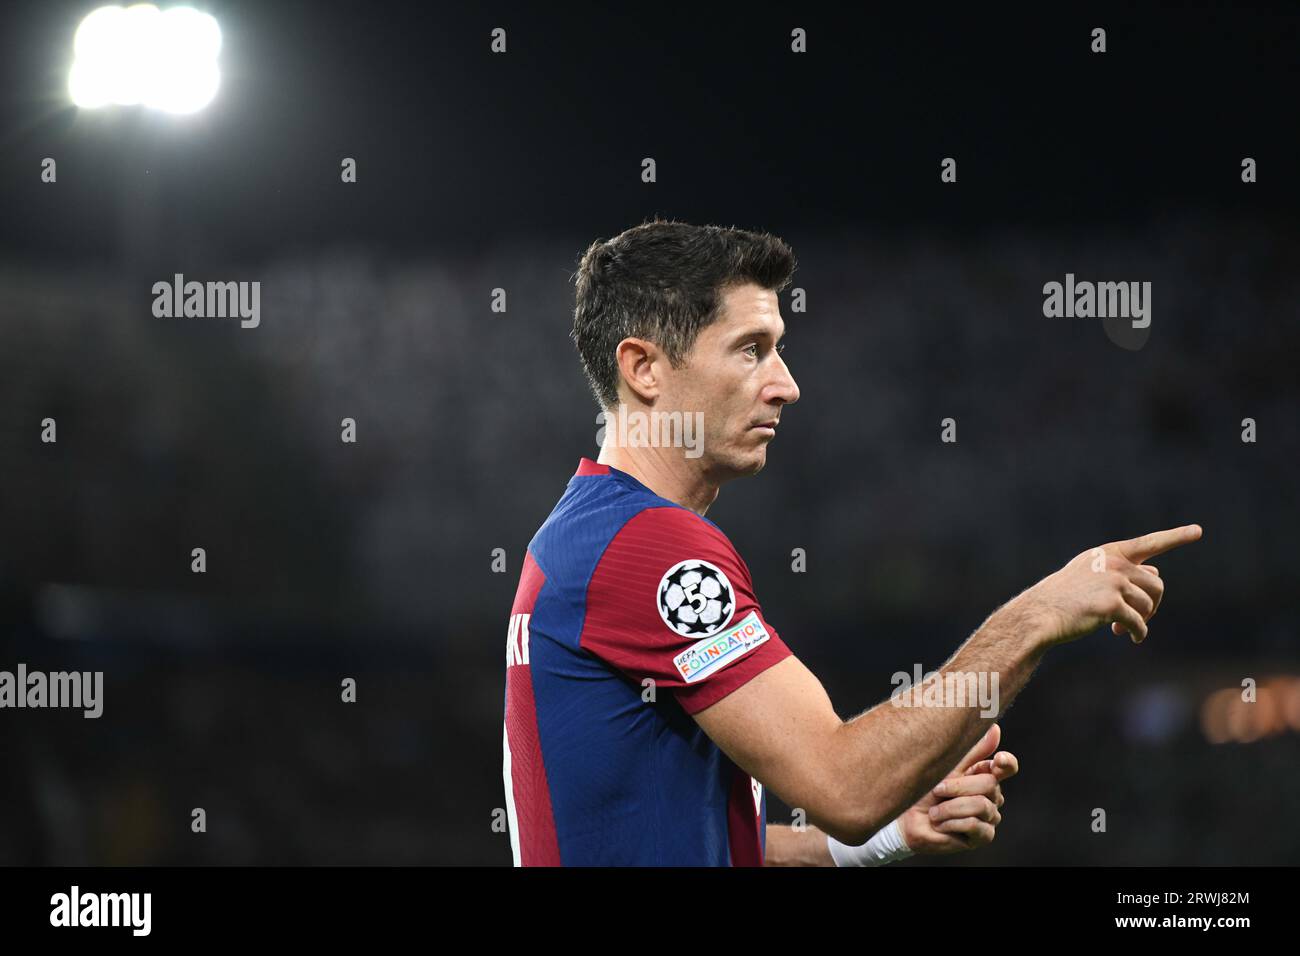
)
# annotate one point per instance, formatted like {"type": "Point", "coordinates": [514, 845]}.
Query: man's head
{"type": "Point", "coordinates": [672, 317]}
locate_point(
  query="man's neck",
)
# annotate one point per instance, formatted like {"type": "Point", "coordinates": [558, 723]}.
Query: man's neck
{"type": "Point", "coordinates": [665, 471]}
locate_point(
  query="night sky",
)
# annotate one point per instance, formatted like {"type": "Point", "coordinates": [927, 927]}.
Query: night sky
{"type": "Point", "coordinates": [458, 147]}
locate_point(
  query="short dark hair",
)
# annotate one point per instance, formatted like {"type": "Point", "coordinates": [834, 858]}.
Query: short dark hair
{"type": "Point", "coordinates": [663, 281]}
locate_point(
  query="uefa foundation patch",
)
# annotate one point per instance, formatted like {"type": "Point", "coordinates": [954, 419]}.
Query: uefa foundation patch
{"type": "Point", "coordinates": [714, 653]}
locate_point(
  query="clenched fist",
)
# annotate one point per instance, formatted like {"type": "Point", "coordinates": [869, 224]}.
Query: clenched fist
{"type": "Point", "coordinates": [1109, 584]}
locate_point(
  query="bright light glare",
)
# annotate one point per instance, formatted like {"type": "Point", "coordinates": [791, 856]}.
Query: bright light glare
{"type": "Point", "coordinates": [163, 59]}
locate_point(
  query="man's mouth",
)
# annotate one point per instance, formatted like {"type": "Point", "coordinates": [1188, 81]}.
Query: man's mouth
{"type": "Point", "coordinates": [769, 426]}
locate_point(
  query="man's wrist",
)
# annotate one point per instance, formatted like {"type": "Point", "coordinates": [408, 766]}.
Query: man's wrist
{"type": "Point", "coordinates": [886, 846]}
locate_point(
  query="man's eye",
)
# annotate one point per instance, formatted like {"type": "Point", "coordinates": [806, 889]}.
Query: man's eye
{"type": "Point", "coordinates": [752, 349]}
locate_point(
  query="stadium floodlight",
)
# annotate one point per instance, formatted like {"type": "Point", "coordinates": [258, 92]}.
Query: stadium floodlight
{"type": "Point", "coordinates": [164, 59]}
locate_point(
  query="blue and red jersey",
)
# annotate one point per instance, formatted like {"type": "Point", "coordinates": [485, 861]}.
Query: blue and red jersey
{"type": "Point", "coordinates": [632, 614]}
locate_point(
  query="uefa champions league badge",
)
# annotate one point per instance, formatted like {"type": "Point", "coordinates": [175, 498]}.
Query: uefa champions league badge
{"type": "Point", "coordinates": [696, 599]}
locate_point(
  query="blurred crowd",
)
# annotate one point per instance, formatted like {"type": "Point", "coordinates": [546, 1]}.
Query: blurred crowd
{"type": "Point", "coordinates": [373, 560]}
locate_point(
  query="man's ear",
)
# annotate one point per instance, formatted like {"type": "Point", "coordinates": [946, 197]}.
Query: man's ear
{"type": "Point", "coordinates": [641, 365]}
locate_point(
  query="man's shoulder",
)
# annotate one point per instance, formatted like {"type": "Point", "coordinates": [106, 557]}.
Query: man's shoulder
{"type": "Point", "coordinates": [599, 514]}
{"type": "Point", "coordinates": [626, 512]}
{"type": "Point", "coordinates": [664, 523]}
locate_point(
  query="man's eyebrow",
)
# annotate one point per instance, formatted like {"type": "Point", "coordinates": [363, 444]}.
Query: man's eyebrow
{"type": "Point", "coordinates": [756, 333]}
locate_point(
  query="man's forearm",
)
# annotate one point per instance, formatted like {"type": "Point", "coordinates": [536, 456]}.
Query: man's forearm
{"type": "Point", "coordinates": [787, 846]}
{"type": "Point", "coordinates": [891, 755]}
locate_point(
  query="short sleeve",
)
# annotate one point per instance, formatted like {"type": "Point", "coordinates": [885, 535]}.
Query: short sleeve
{"type": "Point", "coordinates": [671, 600]}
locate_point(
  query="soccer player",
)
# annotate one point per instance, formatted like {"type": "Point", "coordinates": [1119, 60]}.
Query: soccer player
{"type": "Point", "coordinates": [649, 702]}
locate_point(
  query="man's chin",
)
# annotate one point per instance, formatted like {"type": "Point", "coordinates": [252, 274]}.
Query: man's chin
{"type": "Point", "coordinates": [749, 463]}
{"type": "Point", "coordinates": [738, 462]}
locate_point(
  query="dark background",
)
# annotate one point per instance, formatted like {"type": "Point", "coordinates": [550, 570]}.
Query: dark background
{"type": "Point", "coordinates": [476, 171]}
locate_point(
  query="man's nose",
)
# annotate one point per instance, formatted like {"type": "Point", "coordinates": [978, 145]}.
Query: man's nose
{"type": "Point", "coordinates": [784, 389]}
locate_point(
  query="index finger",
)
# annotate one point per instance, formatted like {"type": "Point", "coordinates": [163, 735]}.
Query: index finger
{"type": "Point", "coordinates": [967, 785]}
{"type": "Point", "coordinates": [1146, 546]}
